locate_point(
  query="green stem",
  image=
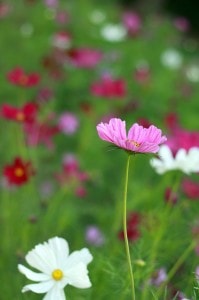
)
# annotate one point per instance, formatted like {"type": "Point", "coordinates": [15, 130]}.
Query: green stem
{"type": "Point", "coordinates": [125, 229]}
{"type": "Point", "coordinates": [159, 235]}
{"type": "Point", "coordinates": [176, 266]}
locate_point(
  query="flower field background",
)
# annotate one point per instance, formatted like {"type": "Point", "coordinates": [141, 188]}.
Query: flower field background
{"type": "Point", "coordinates": [67, 66]}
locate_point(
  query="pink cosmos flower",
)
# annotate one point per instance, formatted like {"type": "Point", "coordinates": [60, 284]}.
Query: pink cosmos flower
{"type": "Point", "coordinates": [85, 57]}
{"type": "Point", "coordinates": [51, 3]}
{"type": "Point", "coordinates": [132, 23]}
{"type": "Point", "coordinates": [61, 40]}
{"type": "Point", "coordinates": [94, 236]}
{"type": "Point", "coordinates": [181, 138]}
{"type": "Point", "coordinates": [191, 189]}
{"type": "Point", "coordinates": [182, 24]}
{"type": "Point", "coordinates": [109, 87]}
{"type": "Point", "coordinates": [137, 140]}
{"type": "Point", "coordinates": [68, 123]}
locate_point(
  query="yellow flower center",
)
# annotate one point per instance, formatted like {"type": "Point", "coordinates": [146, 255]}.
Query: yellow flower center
{"type": "Point", "coordinates": [57, 274]}
{"type": "Point", "coordinates": [23, 79]}
{"type": "Point", "coordinates": [19, 172]}
{"type": "Point", "coordinates": [20, 116]}
{"type": "Point", "coordinates": [136, 144]}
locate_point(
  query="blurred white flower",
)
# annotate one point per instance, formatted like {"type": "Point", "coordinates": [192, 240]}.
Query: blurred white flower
{"type": "Point", "coordinates": [172, 59]}
{"type": "Point", "coordinates": [192, 73]}
{"type": "Point", "coordinates": [57, 268]}
{"type": "Point", "coordinates": [113, 32]}
{"type": "Point", "coordinates": [61, 40]}
{"type": "Point", "coordinates": [185, 161]}
{"type": "Point", "coordinates": [97, 16]}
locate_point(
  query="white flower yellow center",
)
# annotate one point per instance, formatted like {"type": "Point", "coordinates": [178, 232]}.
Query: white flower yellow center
{"type": "Point", "coordinates": [57, 274]}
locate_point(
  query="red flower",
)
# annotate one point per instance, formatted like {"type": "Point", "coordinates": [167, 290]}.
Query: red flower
{"type": "Point", "coordinates": [133, 232]}
{"type": "Point", "coordinates": [40, 133]}
{"type": "Point", "coordinates": [170, 196]}
{"type": "Point", "coordinates": [109, 87]}
{"type": "Point", "coordinates": [27, 113]}
{"type": "Point", "coordinates": [19, 172]}
{"type": "Point", "coordinates": [191, 189]}
{"type": "Point", "coordinates": [18, 77]}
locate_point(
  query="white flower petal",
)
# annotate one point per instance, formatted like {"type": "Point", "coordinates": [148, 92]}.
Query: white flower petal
{"type": "Point", "coordinates": [77, 257]}
{"type": "Point", "coordinates": [33, 275]}
{"type": "Point", "coordinates": [78, 277]}
{"type": "Point", "coordinates": [42, 258]}
{"type": "Point", "coordinates": [39, 288]}
{"type": "Point", "coordinates": [60, 248]}
{"type": "Point", "coordinates": [55, 294]}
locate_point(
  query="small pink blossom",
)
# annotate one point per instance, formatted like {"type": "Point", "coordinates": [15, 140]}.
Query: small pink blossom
{"type": "Point", "coordinates": [184, 139]}
{"type": "Point", "coordinates": [84, 57]}
{"type": "Point", "coordinates": [170, 196]}
{"type": "Point", "coordinates": [159, 277]}
{"type": "Point", "coordinates": [72, 175]}
{"type": "Point", "coordinates": [182, 24]}
{"type": "Point", "coordinates": [40, 133]}
{"type": "Point", "coordinates": [81, 192]}
{"type": "Point", "coordinates": [132, 22]}
{"type": "Point", "coordinates": [62, 17]}
{"type": "Point", "coordinates": [142, 74]}
{"type": "Point", "coordinates": [109, 88]}
{"type": "Point", "coordinates": [51, 3]}
{"type": "Point", "coordinates": [61, 40]}
{"type": "Point", "coordinates": [191, 189]}
{"type": "Point", "coordinates": [94, 236]}
{"type": "Point", "coordinates": [137, 140]}
{"type": "Point", "coordinates": [68, 123]}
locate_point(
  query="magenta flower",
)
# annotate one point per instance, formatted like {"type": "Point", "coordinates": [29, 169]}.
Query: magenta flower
{"type": "Point", "coordinates": [137, 140]}
{"type": "Point", "coordinates": [68, 123]}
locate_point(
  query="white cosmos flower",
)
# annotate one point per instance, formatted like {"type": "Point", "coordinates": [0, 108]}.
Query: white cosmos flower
{"type": "Point", "coordinates": [192, 73]}
{"type": "Point", "coordinates": [113, 32]}
{"type": "Point", "coordinates": [57, 268]}
{"type": "Point", "coordinates": [185, 161]}
{"type": "Point", "coordinates": [172, 59]}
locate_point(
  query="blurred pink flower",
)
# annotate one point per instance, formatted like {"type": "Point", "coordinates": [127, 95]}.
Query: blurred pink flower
{"type": "Point", "coordinates": [51, 3]}
{"type": "Point", "coordinates": [81, 191]}
{"type": "Point", "coordinates": [159, 277]}
{"type": "Point", "coordinates": [137, 140]}
{"type": "Point", "coordinates": [170, 196]}
{"type": "Point", "coordinates": [132, 22]}
{"type": "Point", "coordinates": [184, 139]}
{"type": "Point", "coordinates": [70, 163]}
{"type": "Point", "coordinates": [197, 273]}
{"type": "Point", "coordinates": [62, 17]}
{"type": "Point", "coordinates": [84, 57]}
{"type": "Point", "coordinates": [40, 133]}
{"type": "Point", "coordinates": [94, 236]}
{"type": "Point", "coordinates": [61, 40]}
{"type": "Point", "coordinates": [171, 121]}
{"type": "Point", "coordinates": [5, 9]}
{"type": "Point", "coordinates": [182, 24]}
{"type": "Point", "coordinates": [72, 176]}
{"type": "Point", "coordinates": [109, 88]}
{"type": "Point", "coordinates": [191, 189]}
{"type": "Point", "coordinates": [68, 123]}
{"type": "Point", "coordinates": [142, 74]}
{"type": "Point", "coordinates": [44, 94]}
